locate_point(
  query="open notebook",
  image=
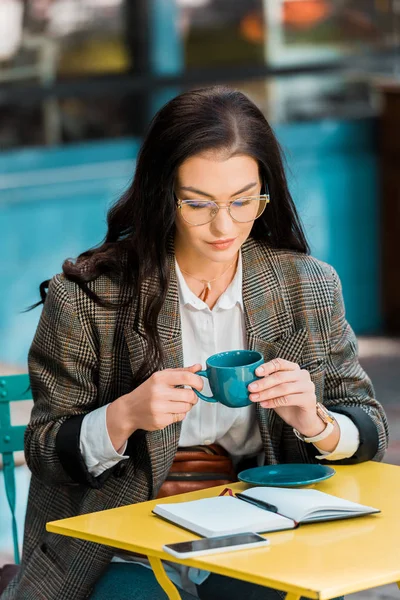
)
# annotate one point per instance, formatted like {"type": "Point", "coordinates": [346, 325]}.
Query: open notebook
{"type": "Point", "coordinates": [259, 509]}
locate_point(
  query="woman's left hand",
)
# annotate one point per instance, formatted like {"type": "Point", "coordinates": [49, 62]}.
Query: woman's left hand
{"type": "Point", "coordinates": [289, 391]}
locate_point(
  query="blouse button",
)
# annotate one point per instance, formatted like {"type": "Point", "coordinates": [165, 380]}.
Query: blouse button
{"type": "Point", "coordinates": [207, 442]}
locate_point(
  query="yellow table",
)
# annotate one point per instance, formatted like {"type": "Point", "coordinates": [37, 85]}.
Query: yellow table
{"type": "Point", "coordinates": [319, 561]}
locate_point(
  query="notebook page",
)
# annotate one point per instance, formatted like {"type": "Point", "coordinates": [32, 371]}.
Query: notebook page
{"type": "Point", "coordinates": [298, 504]}
{"type": "Point", "coordinates": [220, 515]}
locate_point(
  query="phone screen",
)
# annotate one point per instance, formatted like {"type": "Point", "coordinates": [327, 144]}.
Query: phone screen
{"type": "Point", "coordinates": [224, 541]}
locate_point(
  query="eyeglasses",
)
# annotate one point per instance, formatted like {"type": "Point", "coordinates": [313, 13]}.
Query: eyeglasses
{"type": "Point", "coordinates": [242, 210]}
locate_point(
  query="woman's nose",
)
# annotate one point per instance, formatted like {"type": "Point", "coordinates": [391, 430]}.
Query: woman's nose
{"type": "Point", "coordinates": [222, 222]}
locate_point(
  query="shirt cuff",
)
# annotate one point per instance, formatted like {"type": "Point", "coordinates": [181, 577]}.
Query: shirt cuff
{"type": "Point", "coordinates": [95, 445]}
{"type": "Point", "coordinates": [348, 442]}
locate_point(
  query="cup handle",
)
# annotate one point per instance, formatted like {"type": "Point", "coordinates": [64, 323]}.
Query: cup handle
{"type": "Point", "coordinates": [199, 394]}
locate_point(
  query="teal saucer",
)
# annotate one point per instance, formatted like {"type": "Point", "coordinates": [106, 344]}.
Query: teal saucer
{"type": "Point", "coordinates": [287, 475]}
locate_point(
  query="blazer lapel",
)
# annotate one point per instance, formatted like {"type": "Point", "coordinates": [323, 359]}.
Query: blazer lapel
{"type": "Point", "coordinates": [269, 328]}
{"type": "Point", "coordinates": [161, 444]}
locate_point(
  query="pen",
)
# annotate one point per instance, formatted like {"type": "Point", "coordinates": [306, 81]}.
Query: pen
{"type": "Point", "coordinates": [260, 503]}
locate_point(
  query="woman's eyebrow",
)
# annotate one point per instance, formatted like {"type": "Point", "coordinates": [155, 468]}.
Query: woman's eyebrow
{"type": "Point", "coordinates": [247, 187]}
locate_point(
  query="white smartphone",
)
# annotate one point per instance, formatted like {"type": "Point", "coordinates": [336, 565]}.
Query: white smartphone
{"type": "Point", "coordinates": [213, 545]}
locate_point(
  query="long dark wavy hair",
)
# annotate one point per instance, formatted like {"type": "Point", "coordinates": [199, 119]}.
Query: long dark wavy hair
{"type": "Point", "coordinates": [142, 221]}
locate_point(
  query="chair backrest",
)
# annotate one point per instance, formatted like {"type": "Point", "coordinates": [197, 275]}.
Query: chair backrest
{"type": "Point", "coordinates": [12, 389]}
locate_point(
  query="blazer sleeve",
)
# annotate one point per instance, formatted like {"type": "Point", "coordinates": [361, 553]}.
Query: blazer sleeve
{"type": "Point", "coordinates": [347, 388]}
{"type": "Point", "coordinates": [63, 371]}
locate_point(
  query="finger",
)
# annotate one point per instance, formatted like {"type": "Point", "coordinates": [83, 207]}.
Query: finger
{"type": "Point", "coordinates": [176, 377]}
{"type": "Point", "coordinates": [181, 395]}
{"type": "Point", "coordinates": [270, 381]}
{"type": "Point", "coordinates": [180, 407]}
{"type": "Point", "coordinates": [274, 365]}
{"type": "Point", "coordinates": [285, 389]}
{"type": "Point", "coordinates": [285, 401]}
{"type": "Point", "coordinates": [191, 368]}
{"type": "Point", "coordinates": [176, 417]}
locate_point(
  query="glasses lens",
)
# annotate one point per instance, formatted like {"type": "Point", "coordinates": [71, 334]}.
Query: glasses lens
{"type": "Point", "coordinates": [198, 212]}
{"type": "Point", "coordinates": [248, 209]}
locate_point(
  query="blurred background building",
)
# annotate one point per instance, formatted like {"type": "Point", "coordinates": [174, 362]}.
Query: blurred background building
{"type": "Point", "coordinates": [80, 80]}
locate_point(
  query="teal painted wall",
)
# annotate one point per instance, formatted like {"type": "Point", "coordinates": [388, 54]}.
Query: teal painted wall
{"type": "Point", "coordinates": [333, 175]}
{"type": "Point", "coordinates": [53, 205]}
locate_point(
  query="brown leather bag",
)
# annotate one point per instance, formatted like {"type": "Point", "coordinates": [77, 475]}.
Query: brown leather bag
{"type": "Point", "coordinates": [197, 468]}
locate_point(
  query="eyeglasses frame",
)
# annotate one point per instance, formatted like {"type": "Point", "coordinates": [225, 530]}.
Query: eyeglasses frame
{"type": "Point", "coordinates": [265, 197]}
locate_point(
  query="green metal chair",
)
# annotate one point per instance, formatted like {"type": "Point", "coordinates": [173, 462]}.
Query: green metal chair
{"type": "Point", "coordinates": [12, 389]}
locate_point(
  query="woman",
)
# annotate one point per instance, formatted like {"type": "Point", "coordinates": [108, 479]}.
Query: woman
{"type": "Point", "coordinates": [204, 253]}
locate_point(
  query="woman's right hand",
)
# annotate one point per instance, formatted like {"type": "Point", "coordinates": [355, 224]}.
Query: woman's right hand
{"type": "Point", "coordinates": [154, 404]}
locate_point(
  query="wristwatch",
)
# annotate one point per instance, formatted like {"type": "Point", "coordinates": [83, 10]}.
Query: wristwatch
{"type": "Point", "coordinates": [327, 418]}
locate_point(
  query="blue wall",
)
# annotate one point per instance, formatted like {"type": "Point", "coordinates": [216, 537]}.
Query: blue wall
{"type": "Point", "coordinates": [53, 205]}
{"type": "Point", "coordinates": [333, 175]}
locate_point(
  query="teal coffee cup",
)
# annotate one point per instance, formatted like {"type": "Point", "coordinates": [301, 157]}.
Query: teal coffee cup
{"type": "Point", "coordinates": [229, 374]}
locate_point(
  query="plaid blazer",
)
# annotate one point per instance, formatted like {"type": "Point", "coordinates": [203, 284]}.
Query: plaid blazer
{"type": "Point", "coordinates": [84, 356]}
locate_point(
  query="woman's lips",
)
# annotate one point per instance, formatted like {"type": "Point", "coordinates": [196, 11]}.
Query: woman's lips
{"type": "Point", "coordinates": [222, 244]}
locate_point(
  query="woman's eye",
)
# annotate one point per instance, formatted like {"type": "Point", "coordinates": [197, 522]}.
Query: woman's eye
{"type": "Point", "coordinates": [197, 204]}
{"type": "Point", "coordinates": [241, 202]}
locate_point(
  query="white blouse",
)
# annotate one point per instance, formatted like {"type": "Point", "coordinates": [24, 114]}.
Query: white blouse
{"type": "Point", "coordinates": [206, 332]}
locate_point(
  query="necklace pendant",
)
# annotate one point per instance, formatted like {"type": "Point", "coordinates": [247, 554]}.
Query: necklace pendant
{"type": "Point", "coordinates": [206, 290]}
{"type": "Point", "coordinates": [207, 284]}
